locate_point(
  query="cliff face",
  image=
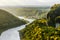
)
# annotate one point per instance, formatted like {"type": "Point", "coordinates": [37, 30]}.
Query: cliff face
{"type": "Point", "coordinates": [8, 21]}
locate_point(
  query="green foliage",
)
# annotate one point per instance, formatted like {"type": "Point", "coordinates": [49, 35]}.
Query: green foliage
{"type": "Point", "coordinates": [54, 7]}
{"type": "Point", "coordinates": [38, 30]}
{"type": "Point", "coordinates": [43, 29]}
{"type": "Point", "coordinates": [53, 15]}
{"type": "Point", "coordinates": [8, 21]}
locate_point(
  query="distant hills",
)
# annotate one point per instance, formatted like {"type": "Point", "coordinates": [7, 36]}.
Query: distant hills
{"type": "Point", "coordinates": [34, 12]}
{"type": "Point", "coordinates": [28, 12]}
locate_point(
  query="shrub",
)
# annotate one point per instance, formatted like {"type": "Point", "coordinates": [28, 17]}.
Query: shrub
{"type": "Point", "coordinates": [38, 30]}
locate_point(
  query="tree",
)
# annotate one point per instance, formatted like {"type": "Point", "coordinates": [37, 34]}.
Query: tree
{"type": "Point", "coordinates": [53, 15]}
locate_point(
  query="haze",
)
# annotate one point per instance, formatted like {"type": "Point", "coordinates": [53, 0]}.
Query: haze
{"type": "Point", "coordinates": [28, 2]}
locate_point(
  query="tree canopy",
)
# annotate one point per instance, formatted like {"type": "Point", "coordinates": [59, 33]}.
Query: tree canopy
{"type": "Point", "coordinates": [53, 15]}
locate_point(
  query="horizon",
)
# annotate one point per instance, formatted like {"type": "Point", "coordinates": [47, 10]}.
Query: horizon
{"type": "Point", "coordinates": [28, 3]}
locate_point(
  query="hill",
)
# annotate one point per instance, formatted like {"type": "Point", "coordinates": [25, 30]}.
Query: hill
{"type": "Point", "coordinates": [45, 28]}
{"type": "Point", "coordinates": [53, 15]}
{"type": "Point", "coordinates": [28, 12]}
{"type": "Point", "coordinates": [38, 30]}
{"type": "Point", "coordinates": [8, 21]}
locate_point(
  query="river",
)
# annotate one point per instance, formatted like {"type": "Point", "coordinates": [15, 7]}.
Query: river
{"type": "Point", "coordinates": [13, 34]}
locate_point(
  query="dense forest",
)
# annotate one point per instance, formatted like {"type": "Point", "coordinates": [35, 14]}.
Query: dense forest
{"type": "Point", "coordinates": [45, 28]}
{"type": "Point", "coordinates": [7, 21]}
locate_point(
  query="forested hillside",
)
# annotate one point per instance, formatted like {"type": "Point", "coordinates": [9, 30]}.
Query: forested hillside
{"type": "Point", "coordinates": [38, 30]}
{"type": "Point", "coordinates": [45, 28]}
{"type": "Point", "coordinates": [8, 21]}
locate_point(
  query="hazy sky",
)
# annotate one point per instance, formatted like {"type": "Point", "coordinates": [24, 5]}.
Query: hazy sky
{"type": "Point", "coordinates": [28, 2]}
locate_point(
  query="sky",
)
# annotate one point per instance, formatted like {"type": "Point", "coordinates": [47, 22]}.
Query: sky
{"type": "Point", "coordinates": [28, 2]}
